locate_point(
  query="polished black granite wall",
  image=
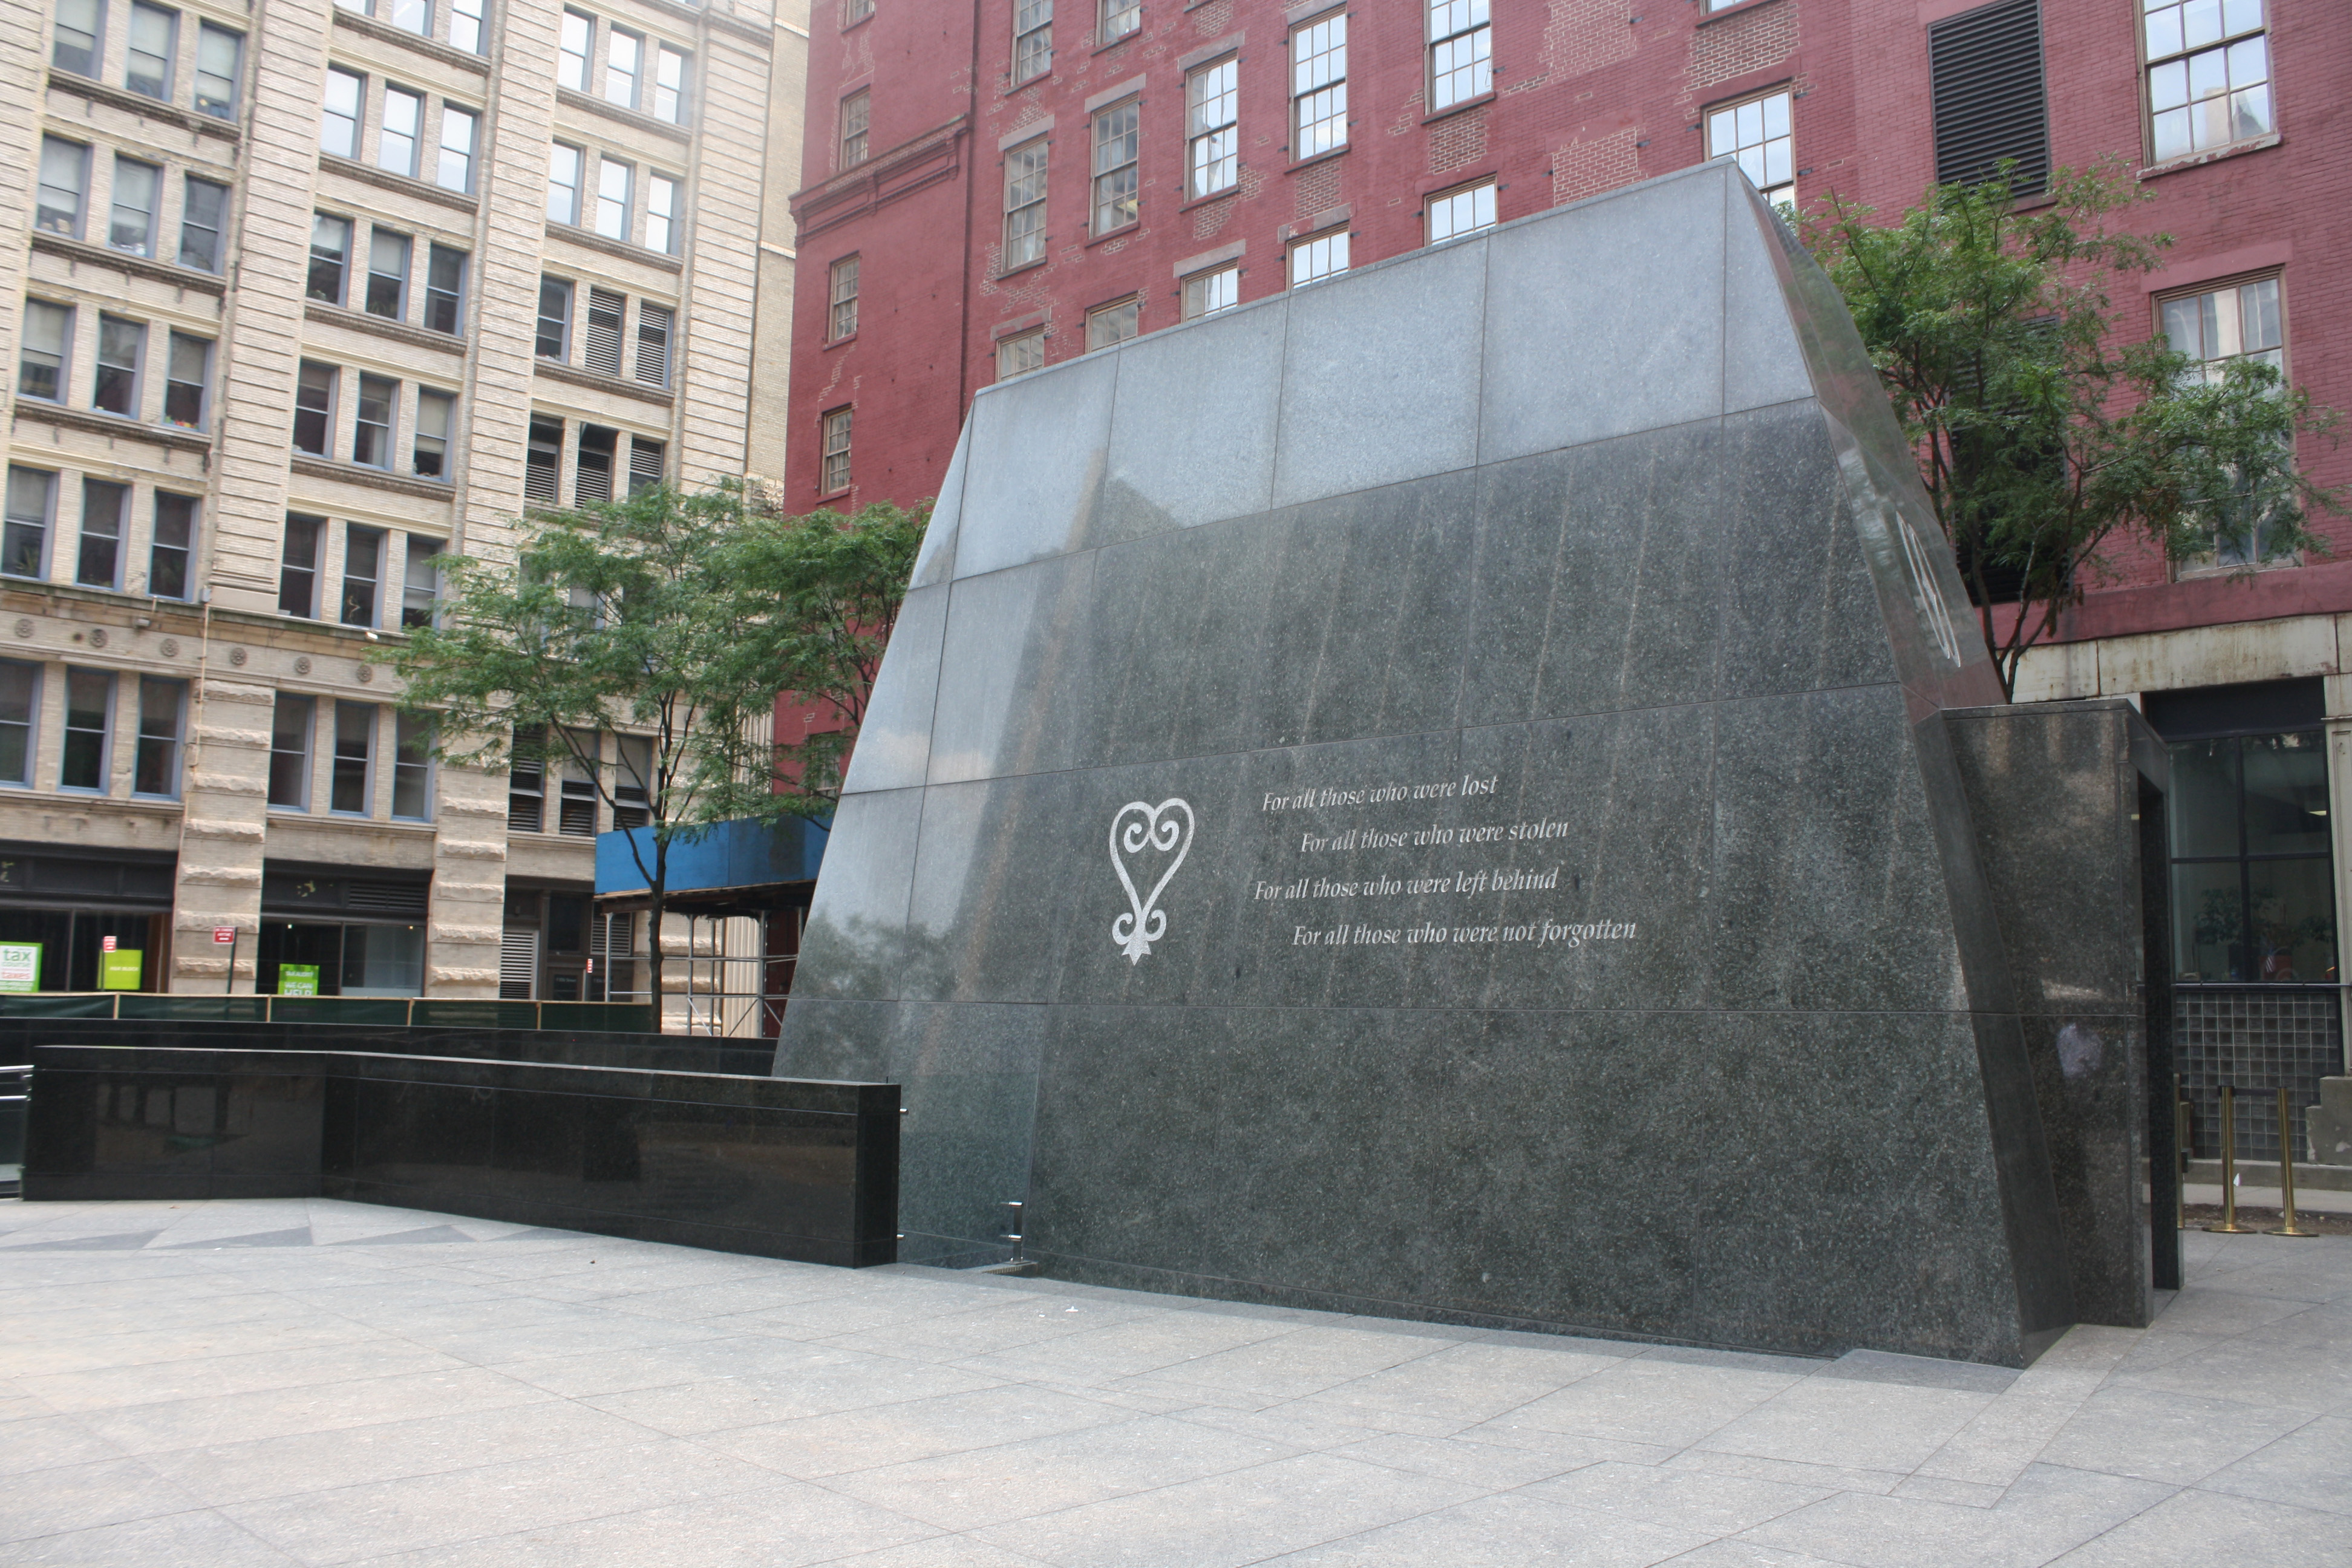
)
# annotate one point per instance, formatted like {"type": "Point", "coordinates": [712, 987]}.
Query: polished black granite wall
{"type": "Point", "coordinates": [1581, 609]}
{"type": "Point", "coordinates": [574, 1048]}
{"type": "Point", "coordinates": [783, 1169]}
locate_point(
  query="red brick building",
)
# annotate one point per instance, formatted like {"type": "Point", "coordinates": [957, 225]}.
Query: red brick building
{"type": "Point", "coordinates": [993, 186]}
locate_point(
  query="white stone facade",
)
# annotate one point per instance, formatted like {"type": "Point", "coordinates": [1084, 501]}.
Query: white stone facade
{"type": "Point", "coordinates": [650, 371]}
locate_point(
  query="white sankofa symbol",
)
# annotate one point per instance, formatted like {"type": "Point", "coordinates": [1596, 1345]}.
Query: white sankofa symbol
{"type": "Point", "coordinates": [1137, 827]}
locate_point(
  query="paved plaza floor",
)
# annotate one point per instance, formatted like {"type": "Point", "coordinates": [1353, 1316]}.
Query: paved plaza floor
{"type": "Point", "coordinates": [321, 1382]}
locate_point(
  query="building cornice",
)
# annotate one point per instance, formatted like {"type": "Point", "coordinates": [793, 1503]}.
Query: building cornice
{"type": "Point", "coordinates": [353, 169]}
{"type": "Point", "coordinates": [590, 240]}
{"type": "Point", "coordinates": [573, 376]}
{"type": "Point", "coordinates": [111, 424]}
{"type": "Point", "coordinates": [401, 37]}
{"type": "Point", "coordinates": [81, 250]}
{"type": "Point", "coordinates": [140, 105]}
{"type": "Point", "coordinates": [362, 322]}
{"type": "Point", "coordinates": [896, 172]}
{"type": "Point", "coordinates": [570, 98]}
{"type": "Point", "coordinates": [370, 479]}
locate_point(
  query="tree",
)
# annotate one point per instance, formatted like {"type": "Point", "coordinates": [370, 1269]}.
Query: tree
{"type": "Point", "coordinates": [674, 618]}
{"type": "Point", "coordinates": [2044, 422]}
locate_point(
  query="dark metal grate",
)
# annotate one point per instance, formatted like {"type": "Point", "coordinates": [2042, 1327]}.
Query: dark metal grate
{"type": "Point", "coordinates": [1988, 95]}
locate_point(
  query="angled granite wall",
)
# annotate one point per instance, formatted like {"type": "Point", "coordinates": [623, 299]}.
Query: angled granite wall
{"type": "Point", "coordinates": [1429, 794]}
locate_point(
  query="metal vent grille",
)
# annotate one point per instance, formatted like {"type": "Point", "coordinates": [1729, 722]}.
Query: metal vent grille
{"type": "Point", "coordinates": [517, 965]}
{"type": "Point", "coordinates": [646, 459]}
{"type": "Point", "coordinates": [1988, 95]}
{"type": "Point", "coordinates": [653, 323]}
{"type": "Point", "coordinates": [385, 897]}
{"type": "Point", "coordinates": [600, 345]}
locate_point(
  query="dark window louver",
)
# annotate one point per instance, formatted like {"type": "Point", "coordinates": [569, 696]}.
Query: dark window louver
{"type": "Point", "coordinates": [1989, 96]}
{"type": "Point", "coordinates": [386, 897]}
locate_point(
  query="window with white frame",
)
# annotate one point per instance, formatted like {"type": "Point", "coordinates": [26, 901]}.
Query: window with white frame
{"type": "Point", "coordinates": [853, 110]}
{"type": "Point", "coordinates": [624, 65]}
{"type": "Point", "coordinates": [2215, 328]}
{"type": "Point", "coordinates": [841, 319]}
{"type": "Point", "coordinates": [454, 169]}
{"type": "Point", "coordinates": [853, 12]}
{"type": "Point", "coordinates": [671, 69]}
{"type": "Point", "coordinates": [1115, 322]}
{"type": "Point", "coordinates": [1755, 132]}
{"type": "Point", "coordinates": [564, 165]}
{"type": "Point", "coordinates": [612, 181]}
{"type": "Point", "coordinates": [1319, 85]}
{"type": "Point", "coordinates": [1020, 353]}
{"type": "Point", "coordinates": [661, 214]}
{"type": "Point", "coordinates": [397, 130]}
{"type": "Point", "coordinates": [1032, 38]}
{"type": "Point", "coordinates": [1319, 257]}
{"type": "Point", "coordinates": [1206, 293]}
{"type": "Point", "coordinates": [1025, 203]}
{"type": "Point", "coordinates": [340, 112]}
{"type": "Point", "coordinates": [1119, 19]}
{"type": "Point", "coordinates": [2208, 74]}
{"type": "Point", "coordinates": [1117, 135]}
{"type": "Point", "coordinates": [833, 474]}
{"type": "Point", "coordinates": [575, 43]}
{"type": "Point", "coordinates": [1212, 136]}
{"type": "Point", "coordinates": [1465, 210]}
{"type": "Point", "coordinates": [1460, 52]}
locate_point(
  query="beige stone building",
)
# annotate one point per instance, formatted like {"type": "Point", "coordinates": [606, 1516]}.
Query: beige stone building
{"type": "Point", "coordinates": [301, 296]}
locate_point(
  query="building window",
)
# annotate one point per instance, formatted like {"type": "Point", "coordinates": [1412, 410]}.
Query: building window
{"type": "Point", "coordinates": [853, 127]}
{"type": "Point", "coordinates": [289, 752]}
{"type": "Point", "coordinates": [656, 325]}
{"type": "Point", "coordinates": [2253, 891]}
{"type": "Point", "coordinates": [456, 169]}
{"type": "Point", "coordinates": [25, 533]}
{"type": "Point", "coordinates": [466, 26]}
{"type": "Point", "coordinates": [1318, 86]}
{"type": "Point", "coordinates": [363, 569]}
{"type": "Point", "coordinates": [187, 378]}
{"type": "Point", "coordinates": [2214, 328]}
{"type": "Point", "coordinates": [412, 767]}
{"type": "Point", "coordinates": [1119, 17]}
{"type": "Point", "coordinates": [331, 255]}
{"type": "Point", "coordinates": [1212, 138]}
{"type": "Point", "coordinates": [77, 45]}
{"type": "Point", "coordinates": [853, 12]}
{"type": "Point", "coordinates": [132, 227]}
{"type": "Point", "coordinates": [429, 455]}
{"type": "Point", "coordinates": [396, 145]}
{"type": "Point", "coordinates": [121, 346]}
{"type": "Point", "coordinates": [625, 55]}
{"type": "Point", "coordinates": [347, 789]}
{"type": "Point", "coordinates": [612, 198]}
{"type": "Point", "coordinates": [575, 41]}
{"type": "Point", "coordinates": [1987, 95]}
{"type": "Point", "coordinates": [526, 783]}
{"type": "Point", "coordinates": [220, 54]}
{"type": "Point", "coordinates": [1114, 323]}
{"type": "Point", "coordinates": [20, 695]}
{"type": "Point", "coordinates": [162, 706]}
{"type": "Point", "coordinates": [1206, 293]}
{"type": "Point", "coordinates": [98, 563]}
{"type": "Point", "coordinates": [1032, 38]}
{"type": "Point", "coordinates": [1460, 52]}
{"type": "Point", "coordinates": [372, 425]}
{"type": "Point", "coordinates": [563, 166]}
{"type": "Point", "coordinates": [147, 57]}
{"type": "Point", "coordinates": [444, 288]}
{"type": "Point", "coordinates": [575, 810]}
{"type": "Point", "coordinates": [89, 713]}
{"type": "Point", "coordinates": [339, 115]}
{"type": "Point", "coordinates": [65, 179]}
{"type": "Point", "coordinates": [314, 408]}
{"type": "Point", "coordinates": [1116, 135]}
{"type": "Point", "coordinates": [633, 779]}
{"type": "Point", "coordinates": [1020, 353]}
{"type": "Point", "coordinates": [387, 280]}
{"type": "Point", "coordinates": [833, 476]}
{"type": "Point", "coordinates": [542, 461]}
{"type": "Point", "coordinates": [647, 460]}
{"type": "Point", "coordinates": [171, 545]}
{"type": "Point", "coordinates": [41, 357]}
{"type": "Point", "coordinates": [408, 15]}
{"type": "Point", "coordinates": [1756, 133]}
{"type": "Point", "coordinates": [1465, 211]}
{"type": "Point", "coordinates": [841, 321]}
{"type": "Point", "coordinates": [555, 319]}
{"type": "Point", "coordinates": [2208, 74]}
{"type": "Point", "coordinates": [1319, 256]}
{"type": "Point", "coordinates": [600, 337]}
{"type": "Point", "coordinates": [420, 588]}
{"type": "Point", "coordinates": [661, 214]}
{"type": "Point", "coordinates": [199, 225]}
{"type": "Point", "coordinates": [298, 567]}
{"type": "Point", "coordinates": [1025, 204]}
{"type": "Point", "coordinates": [671, 85]}
{"type": "Point", "coordinates": [591, 464]}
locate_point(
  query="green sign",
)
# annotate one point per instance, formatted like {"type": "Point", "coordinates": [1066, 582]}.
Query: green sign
{"type": "Point", "coordinates": [297, 980]}
{"type": "Point", "coordinates": [20, 966]}
{"type": "Point", "coordinates": [119, 969]}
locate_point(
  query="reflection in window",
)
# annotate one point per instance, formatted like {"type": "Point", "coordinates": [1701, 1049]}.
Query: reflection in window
{"type": "Point", "coordinates": [2209, 74]}
{"type": "Point", "coordinates": [2252, 894]}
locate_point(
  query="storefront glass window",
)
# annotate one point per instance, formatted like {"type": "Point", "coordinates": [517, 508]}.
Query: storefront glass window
{"type": "Point", "coordinates": [2252, 896]}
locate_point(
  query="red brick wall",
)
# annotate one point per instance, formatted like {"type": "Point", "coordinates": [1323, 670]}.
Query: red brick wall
{"type": "Point", "coordinates": [1589, 95]}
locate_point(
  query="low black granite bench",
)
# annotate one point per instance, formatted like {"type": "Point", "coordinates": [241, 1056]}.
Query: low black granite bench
{"type": "Point", "coordinates": [780, 1168]}
{"type": "Point", "coordinates": [572, 1048]}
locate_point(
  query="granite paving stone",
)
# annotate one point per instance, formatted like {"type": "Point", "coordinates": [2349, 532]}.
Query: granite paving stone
{"type": "Point", "coordinates": [984, 1421]}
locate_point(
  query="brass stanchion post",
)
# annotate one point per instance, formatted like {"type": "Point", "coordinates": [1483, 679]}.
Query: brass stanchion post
{"type": "Point", "coordinates": [2229, 1226]}
{"type": "Point", "coordinates": [2286, 1225]}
